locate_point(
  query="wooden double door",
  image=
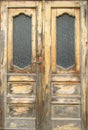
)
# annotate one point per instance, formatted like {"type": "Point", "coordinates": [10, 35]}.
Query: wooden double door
{"type": "Point", "coordinates": [43, 66]}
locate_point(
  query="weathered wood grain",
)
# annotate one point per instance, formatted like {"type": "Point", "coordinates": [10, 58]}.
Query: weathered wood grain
{"type": "Point", "coordinates": [46, 66]}
{"type": "Point", "coordinates": [77, 40]}
{"type": "Point", "coordinates": [2, 37]}
{"type": "Point", "coordinates": [56, 12]}
{"type": "Point", "coordinates": [68, 89]}
{"type": "Point", "coordinates": [61, 100]}
{"type": "Point", "coordinates": [21, 100]}
{"type": "Point", "coordinates": [60, 12]}
{"type": "Point", "coordinates": [64, 100]}
{"type": "Point", "coordinates": [65, 111]}
{"type": "Point", "coordinates": [83, 63]}
{"type": "Point", "coordinates": [66, 124]}
{"type": "Point", "coordinates": [21, 78]}
{"type": "Point", "coordinates": [22, 124]}
{"type": "Point", "coordinates": [21, 110]}
{"type": "Point", "coordinates": [17, 88]}
{"type": "Point", "coordinates": [39, 89]}
{"type": "Point", "coordinates": [12, 13]}
{"type": "Point", "coordinates": [53, 37]}
{"type": "Point", "coordinates": [67, 4]}
{"type": "Point", "coordinates": [64, 77]}
{"type": "Point", "coordinates": [1, 112]}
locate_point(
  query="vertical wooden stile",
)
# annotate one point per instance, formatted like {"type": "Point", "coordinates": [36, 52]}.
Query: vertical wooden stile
{"type": "Point", "coordinates": [83, 67]}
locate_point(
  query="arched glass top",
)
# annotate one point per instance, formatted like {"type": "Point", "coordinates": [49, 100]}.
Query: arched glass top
{"type": "Point", "coordinates": [65, 31]}
{"type": "Point", "coordinates": [22, 40]}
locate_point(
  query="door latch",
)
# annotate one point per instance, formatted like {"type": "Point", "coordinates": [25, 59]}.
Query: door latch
{"type": "Point", "coordinates": [39, 62]}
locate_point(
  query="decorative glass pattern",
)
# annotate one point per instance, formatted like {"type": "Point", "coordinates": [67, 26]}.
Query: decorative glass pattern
{"type": "Point", "coordinates": [22, 40]}
{"type": "Point", "coordinates": [65, 28]}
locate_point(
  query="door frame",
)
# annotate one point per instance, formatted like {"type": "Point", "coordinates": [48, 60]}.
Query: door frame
{"type": "Point", "coordinates": [5, 6]}
{"type": "Point", "coordinates": [47, 49]}
{"type": "Point", "coordinates": [46, 52]}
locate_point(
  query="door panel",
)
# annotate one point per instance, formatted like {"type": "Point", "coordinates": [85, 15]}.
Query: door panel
{"type": "Point", "coordinates": [66, 25]}
{"type": "Point", "coordinates": [21, 88]}
{"type": "Point", "coordinates": [21, 57]}
{"type": "Point", "coordinates": [60, 89]}
{"type": "Point", "coordinates": [20, 66]}
{"type": "Point", "coordinates": [65, 52]}
{"type": "Point", "coordinates": [66, 124]}
{"type": "Point", "coordinates": [65, 85]}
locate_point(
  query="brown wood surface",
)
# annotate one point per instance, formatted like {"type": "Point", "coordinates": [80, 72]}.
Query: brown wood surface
{"type": "Point", "coordinates": [61, 96]}
{"type": "Point", "coordinates": [75, 13]}
{"type": "Point", "coordinates": [20, 89]}
{"type": "Point", "coordinates": [12, 13]}
{"type": "Point", "coordinates": [43, 98]}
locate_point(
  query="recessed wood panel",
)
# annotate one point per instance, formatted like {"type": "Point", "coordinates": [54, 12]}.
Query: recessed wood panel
{"type": "Point", "coordinates": [66, 124]}
{"type": "Point", "coordinates": [66, 77]}
{"type": "Point", "coordinates": [22, 88]}
{"type": "Point", "coordinates": [65, 111]}
{"type": "Point", "coordinates": [21, 110]}
{"type": "Point", "coordinates": [21, 124]}
{"type": "Point", "coordinates": [65, 89]}
{"type": "Point", "coordinates": [22, 78]}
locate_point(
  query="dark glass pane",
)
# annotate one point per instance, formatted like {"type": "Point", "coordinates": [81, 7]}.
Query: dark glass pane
{"type": "Point", "coordinates": [22, 41]}
{"type": "Point", "coordinates": [65, 40]}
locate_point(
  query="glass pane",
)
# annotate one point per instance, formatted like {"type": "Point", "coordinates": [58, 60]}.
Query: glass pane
{"type": "Point", "coordinates": [65, 26]}
{"type": "Point", "coordinates": [22, 41]}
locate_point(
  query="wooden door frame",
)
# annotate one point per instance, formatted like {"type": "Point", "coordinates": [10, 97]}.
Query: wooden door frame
{"type": "Point", "coordinates": [47, 47]}
{"type": "Point", "coordinates": [46, 80]}
{"type": "Point", "coordinates": [4, 16]}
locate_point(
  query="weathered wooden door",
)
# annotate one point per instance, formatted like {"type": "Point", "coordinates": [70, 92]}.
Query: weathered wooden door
{"type": "Point", "coordinates": [43, 65]}
{"type": "Point", "coordinates": [65, 52]}
{"type": "Point", "coordinates": [20, 75]}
